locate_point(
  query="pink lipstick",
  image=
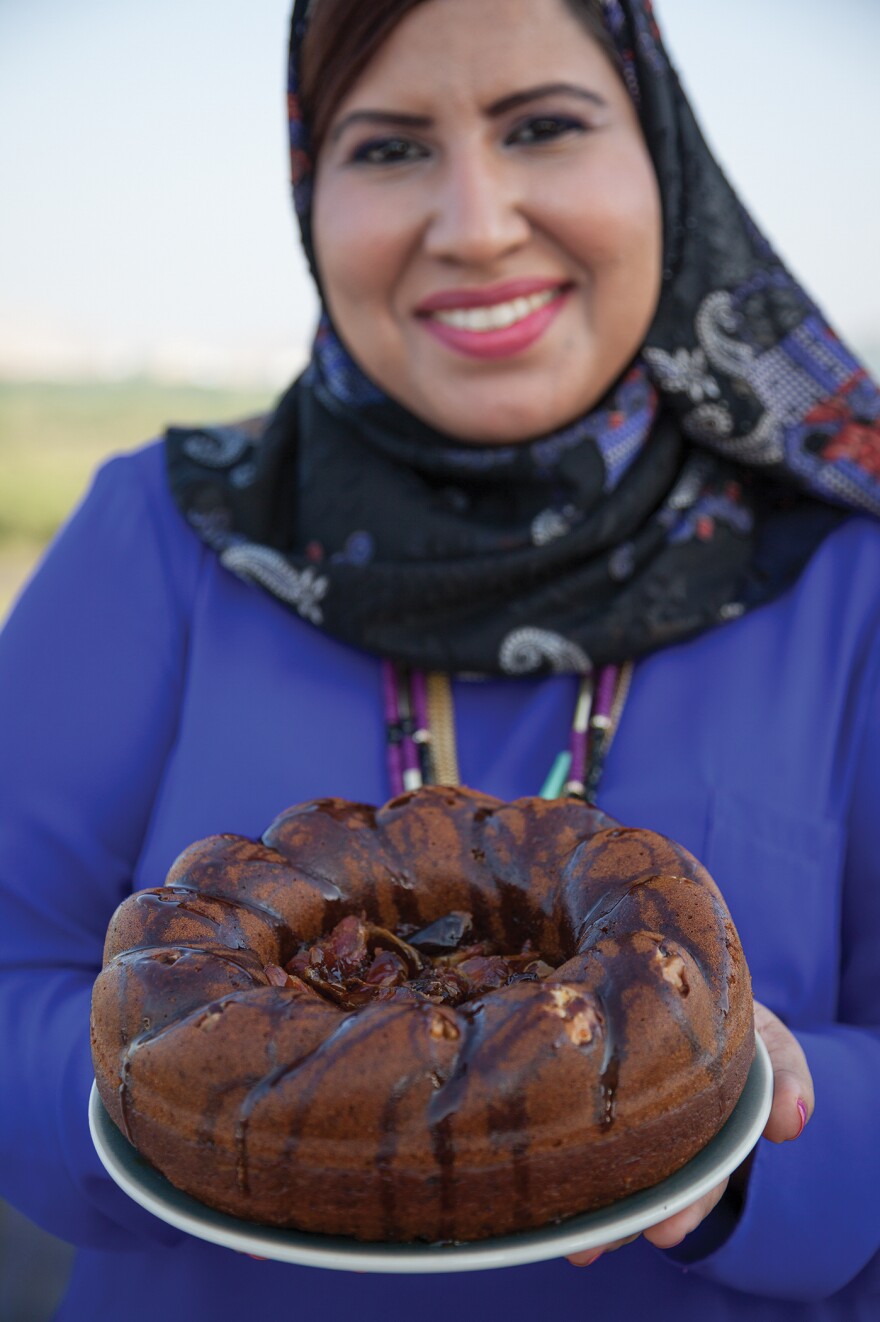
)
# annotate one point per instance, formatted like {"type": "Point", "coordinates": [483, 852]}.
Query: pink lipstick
{"type": "Point", "coordinates": [495, 321]}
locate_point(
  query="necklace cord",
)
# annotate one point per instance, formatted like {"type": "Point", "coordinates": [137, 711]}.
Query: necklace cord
{"type": "Point", "coordinates": [441, 719]}
{"type": "Point", "coordinates": [420, 731]}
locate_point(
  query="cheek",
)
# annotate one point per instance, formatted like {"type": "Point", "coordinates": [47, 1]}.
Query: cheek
{"type": "Point", "coordinates": [357, 251]}
{"type": "Point", "coordinates": [612, 224]}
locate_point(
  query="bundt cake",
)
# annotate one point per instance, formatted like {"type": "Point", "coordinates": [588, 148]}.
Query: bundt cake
{"type": "Point", "coordinates": [443, 1019]}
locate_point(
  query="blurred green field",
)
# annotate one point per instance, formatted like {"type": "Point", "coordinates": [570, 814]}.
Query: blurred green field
{"type": "Point", "coordinates": [53, 436]}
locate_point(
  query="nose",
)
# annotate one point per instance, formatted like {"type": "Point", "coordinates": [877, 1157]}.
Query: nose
{"type": "Point", "coordinates": [476, 214]}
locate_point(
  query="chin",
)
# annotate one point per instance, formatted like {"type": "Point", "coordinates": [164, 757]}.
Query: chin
{"type": "Point", "coordinates": [504, 421]}
{"type": "Point", "coordinates": [511, 406]}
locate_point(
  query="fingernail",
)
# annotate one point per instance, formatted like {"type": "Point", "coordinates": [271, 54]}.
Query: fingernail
{"type": "Point", "coordinates": [588, 1262]}
{"type": "Point", "coordinates": [802, 1110]}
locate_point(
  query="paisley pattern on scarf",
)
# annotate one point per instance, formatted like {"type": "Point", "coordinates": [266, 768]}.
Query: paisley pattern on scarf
{"type": "Point", "coordinates": [697, 490]}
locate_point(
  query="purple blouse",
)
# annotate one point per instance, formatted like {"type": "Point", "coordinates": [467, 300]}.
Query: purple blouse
{"type": "Point", "coordinates": [148, 698]}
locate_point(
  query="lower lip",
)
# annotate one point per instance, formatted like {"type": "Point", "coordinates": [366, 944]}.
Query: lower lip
{"type": "Point", "coordinates": [498, 343]}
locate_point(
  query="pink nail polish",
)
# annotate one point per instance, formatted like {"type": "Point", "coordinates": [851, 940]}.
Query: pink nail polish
{"type": "Point", "coordinates": [802, 1109]}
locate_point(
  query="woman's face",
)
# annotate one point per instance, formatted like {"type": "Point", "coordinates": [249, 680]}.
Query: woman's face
{"type": "Point", "coordinates": [487, 219]}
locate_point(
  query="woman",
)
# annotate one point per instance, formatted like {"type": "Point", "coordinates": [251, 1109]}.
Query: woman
{"type": "Point", "coordinates": [566, 411]}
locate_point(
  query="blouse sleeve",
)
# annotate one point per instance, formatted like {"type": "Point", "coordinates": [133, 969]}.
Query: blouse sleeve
{"type": "Point", "coordinates": [810, 1224]}
{"type": "Point", "coordinates": [92, 663]}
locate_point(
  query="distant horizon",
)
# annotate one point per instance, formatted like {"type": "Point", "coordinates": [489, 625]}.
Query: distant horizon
{"type": "Point", "coordinates": [239, 375]}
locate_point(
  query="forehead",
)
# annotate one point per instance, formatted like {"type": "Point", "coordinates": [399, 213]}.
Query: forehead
{"type": "Point", "coordinates": [445, 52]}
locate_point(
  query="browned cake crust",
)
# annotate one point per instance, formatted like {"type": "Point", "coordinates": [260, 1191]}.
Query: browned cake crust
{"type": "Point", "coordinates": [598, 1068]}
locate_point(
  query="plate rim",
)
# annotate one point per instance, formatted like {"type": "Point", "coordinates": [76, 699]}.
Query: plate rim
{"type": "Point", "coordinates": [154, 1192]}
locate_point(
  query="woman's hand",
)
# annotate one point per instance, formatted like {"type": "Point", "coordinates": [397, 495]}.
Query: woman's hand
{"type": "Point", "coordinates": [793, 1102]}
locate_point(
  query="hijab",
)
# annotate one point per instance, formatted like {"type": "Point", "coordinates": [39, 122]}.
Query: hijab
{"type": "Point", "coordinates": [695, 491]}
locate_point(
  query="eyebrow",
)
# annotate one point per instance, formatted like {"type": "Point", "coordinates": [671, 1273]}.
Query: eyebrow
{"type": "Point", "coordinates": [501, 107]}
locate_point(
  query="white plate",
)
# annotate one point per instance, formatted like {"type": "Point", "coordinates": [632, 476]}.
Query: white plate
{"type": "Point", "coordinates": [590, 1230]}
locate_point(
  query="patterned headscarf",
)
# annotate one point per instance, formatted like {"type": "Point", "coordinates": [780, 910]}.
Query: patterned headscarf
{"type": "Point", "coordinates": [695, 491]}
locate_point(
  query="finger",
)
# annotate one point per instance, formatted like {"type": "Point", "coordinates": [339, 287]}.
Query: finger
{"type": "Point", "coordinates": [666, 1234]}
{"type": "Point", "coordinates": [793, 1096]}
{"type": "Point", "coordinates": [585, 1259]}
{"type": "Point", "coordinates": [589, 1256]}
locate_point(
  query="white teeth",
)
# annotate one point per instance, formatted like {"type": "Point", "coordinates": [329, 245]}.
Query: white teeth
{"type": "Point", "coordinates": [497, 317]}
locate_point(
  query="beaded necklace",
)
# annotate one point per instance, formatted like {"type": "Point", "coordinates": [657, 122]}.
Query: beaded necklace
{"type": "Point", "coordinates": [420, 731]}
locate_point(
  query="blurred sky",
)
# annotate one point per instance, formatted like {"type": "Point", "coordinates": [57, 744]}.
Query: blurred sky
{"type": "Point", "coordinates": [144, 215]}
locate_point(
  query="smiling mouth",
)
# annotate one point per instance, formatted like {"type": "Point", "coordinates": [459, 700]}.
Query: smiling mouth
{"type": "Point", "coordinates": [502, 329]}
{"type": "Point", "coordinates": [497, 316]}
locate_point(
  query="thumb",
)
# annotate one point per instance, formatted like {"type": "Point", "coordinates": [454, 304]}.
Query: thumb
{"type": "Point", "coordinates": [793, 1096]}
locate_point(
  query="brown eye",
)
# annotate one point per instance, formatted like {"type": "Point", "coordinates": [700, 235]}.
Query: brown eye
{"type": "Point", "coordinates": [539, 129]}
{"type": "Point", "coordinates": [387, 151]}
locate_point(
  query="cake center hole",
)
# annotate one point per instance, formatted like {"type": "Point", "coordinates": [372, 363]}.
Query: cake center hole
{"type": "Point", "coordinates": [445, 963]}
